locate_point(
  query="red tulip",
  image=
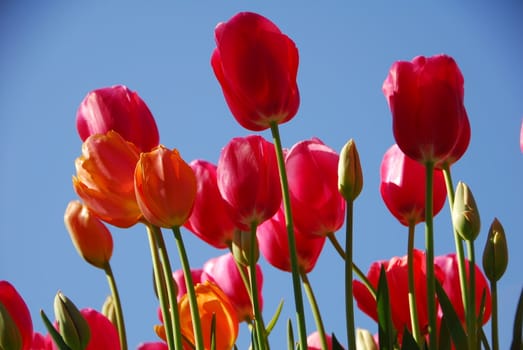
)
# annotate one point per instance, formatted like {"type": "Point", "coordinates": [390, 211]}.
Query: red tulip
{"type": "Point", "coordinates": [41, 342]}
{"type": "Point", "coordinates": [165, 187]}
{"type": "Point", "coordinates": [15, 306]}
{"type": "Point", "coordinates": [256, 66]}
{"type": "Point", "coordinates": [312, 170]}
{"type": "Point", "coordinates": [120, 109]}
{"type": "Point", "coordinates": [449, 266]}
{"type": "Point", "coordinates": [210, 219]}
{"type": "Point", "coordinates": [402, 187]}
{"type": "Point", "coordinates": [426, 100]}
{"type": "Point", "coordinates": [396, 271]}
{"type": "Point", "coordinates": [104, 178]}
{"type": "Point", "coordinates": [460, 147]}
{"type": "Point", "coordinates": [224, 272]}
{"type": "Point", "coordinates": [103, 333]}
{"type": "Point", "coordinates": [248, 180]}
{"type": "Point", "coordinates": [274, 246]}
{"type": "Point", "coordinates": [153, 346]}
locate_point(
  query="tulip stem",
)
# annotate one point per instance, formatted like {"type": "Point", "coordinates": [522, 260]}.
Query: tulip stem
{"type": "Point", "coordinates": [412, 287]}
{"type": "Point", "coordinates": [429, 245]}
{"type": "Point", "coordinates": [298, 296]}
{"type": "Point", "coordinates": [457, 238]}
{"type": "Point", "coordinates": [494, 319]}
{"type": "Point", "coordinates": [193, 303]}
{"type": "Point", "coordinates": [470, 310]}
{"type": "Point", "coordinates": [160, 288]}
{"type": "Point", "coordinates": [259, 325]}
{"type": "Point", "coordinates": [169, 283]}
{"type": "Point", "coordinates": [349, 302]}
{"type": "Point", "coordinates": [118, 305]}
{"type": "Point", "coordinates": [315, 310]}
{"type": "Point", "coordinates": [355, 268]}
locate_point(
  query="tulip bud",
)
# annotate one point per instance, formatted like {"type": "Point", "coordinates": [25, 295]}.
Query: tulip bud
{"type": "Point", "coordinates": [365, 340]}
{"type": "Point", "coordinates": [350, 177]}
{"type": "Point", "coordinates": [241, 247]}
{"type": "Point", "coordinates": [495, 255]}
{"type": "Point", "coordinates": [72, 326]}
{"type": "Point", "coordinates": [109, 310]}
{"type": "Point", "coordinates": [10, 337]}
{"type": "Point", "coordinates": [465, 214]}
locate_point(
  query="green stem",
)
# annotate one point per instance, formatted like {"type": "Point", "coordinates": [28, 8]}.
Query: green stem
{"type": "Point", "coordinates": [429, 245]}
{"type": "Point", "coordinates": [494, 319]}
{"type": "Point", "coordinates": [171, 290]}
{"type": "Point", "coordinates": [298, 296]}
{"type": "Point", "coordinates": [193, 304]}
{"type": "Point", "coordinates": [349, 302]}
{"type": "Point", "coordinates": [160, 288]}
{"type": "Point", "coordinates": [355, 268]}
{"type": "Point", "coordinates": [118, 305]}
{"type": "Point", "coordinates": [258, 320]}
{"type": "Point", "coordinates": [470, 311]}
{"type": "Point", "coordinates": [412, 289]}
{"type": "Point", "coordinates": [315, 310]}
{"type": "Point", "coordinates": [460, 254]}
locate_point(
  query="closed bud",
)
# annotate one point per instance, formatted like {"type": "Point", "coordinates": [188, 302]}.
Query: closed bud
{"type": "Point", "coordinates": [241, 247]}
{"type": "Point", "coordinates": [495, 255]}
{"type": "Point", "coordinates": [465, 214]}
{"type": "Point", "coordinates": [365, 340]}
{"type": "Point", "coordinates": [109, 310]}
{"type": "Point", "coordinates": [72, 326]}
{"type": "Point", "coordinates": [350, 177]}
{"type": "Point", "coordinates": [10, 337]}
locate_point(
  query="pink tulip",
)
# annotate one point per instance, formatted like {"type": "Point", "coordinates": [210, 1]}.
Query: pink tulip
{"type": "Point", "coordinates": [402, 187]}
{"type": "Point", "coordinates": [274, 246]}
{"type": "Point", "coordinates": [224, 272]}
{"type": "Point", "coordinates": [179, 279]}
{"type": "Point", "coordinates": [312, 169]}
{"type": "Point", "coordinates": [153, 346]}
{"type": "Point", "coordinates": [314, 341]}
{"type": "Point", "coordinates": [15, 305]}
{"type": "Point", "coordinates": [210, 219]}
{"type": "Point", "coordinates": [103, 333]}
{"type": "Point", "coordinates": [120, 109]}
{"type": "Point", "coordinates": [249, 181]}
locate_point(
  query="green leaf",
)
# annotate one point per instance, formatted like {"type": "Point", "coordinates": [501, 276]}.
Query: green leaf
{"type": "Point", "coordinates": [213, 332]}
{"type": "Point", "coordinates": [290, 335]}
{"type": "Point", "coordinates": [274, 318]}
{"type": "Point", "coordinates": [336, 344]}
{"type": "Point", "coordinates": [453, 323]}
{"type": "Point", "coordinates": [408, 342]}
{"type": "Point", "coordinates": [444, 335]}
{"type": "Point", "coordinates": [387, 333]}
{"type": "Point", "coordinates": [57, 338]}
{"type": "Point", "coordinates": [517, 343]}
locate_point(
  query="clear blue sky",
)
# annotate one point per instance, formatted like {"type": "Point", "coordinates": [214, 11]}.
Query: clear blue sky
{"type": "Point", "coordinates": [51, 55]}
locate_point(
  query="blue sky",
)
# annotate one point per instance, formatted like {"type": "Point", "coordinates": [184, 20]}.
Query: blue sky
{"type": "Point", "coordinates": [52, 55]}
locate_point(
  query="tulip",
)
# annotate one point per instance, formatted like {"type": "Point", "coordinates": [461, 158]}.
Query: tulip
{"type": "Point", "coordinates": [224, 272]}
{"type": "Point", "coordinates": [210, 219]}
{"type": "Point", "coordinates": [41, 342]}
{"type": "Point", "coordinates": [350, 176]}
{"type": "Point", "coordinates": [179, 279]}
{"type": "Point", "coordinates": [120, 109]}
{"type": "Point", "coordinates": [90, 236]}
{"type": "Point", "coordinates": [461, 145]}
{"type": "Point", "coordinates": [249, 181]}
{"type": "Point", "coordinates": [495, 254]}
{"type": "Point", "coordinates": [312, 170]}
{"type": "Point", "coordinates": [274, 246]}
{"type": "Point", "coordinates": [15, 316]}
{"type": "Point", "coordinates": [165, 187]}
{"type": "Point", "coordinates": [448, 264]}
{"type": "Point", "coordinates": [465, 214]}
{"type": "Point", "coordinates": [402, 187]}
{"type": "Point", "coordinates": [314, 341]}
{"type": "Point", "coordinates": [71, 324]}
{"type": "Point", "coordinates": [425, 97]}
{"type": "Point", "coordinates": [256, 66]}
{"type": "Point", "coordinates": [153, 346]}
{"type": "Point", "coordinates": [103, 333]}
{"type": "Point", "coordinates": [396, 271]}
{"type": "Point", "coordinates": [104, 179]}
{"type": "Point", "coordinates": [212, 302]}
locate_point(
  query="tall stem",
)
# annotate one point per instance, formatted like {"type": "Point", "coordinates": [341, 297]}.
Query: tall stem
{"type": "Point", "coordinates": [470, 311]}
{"type": "Point", "coordinates": [429, 245]}
{"type": "Point", "coordinates": [315, 310]}
{"type": "Point", "coordinates": [169, 283]}
{"type": "Point", "coordinates": [457, 239]}
{"type": "Point", "coordinates": [349, 302]}
{"type": "Point", "coordinates": [412, 289]}
{"type": "Point", "coordinates": [118, 305]}
{"type": "Point", "coordinates": [494, 319]}
{"type": "Point", "coordinates": [193, 303]}
{"type": "Point", "coordinates": [160, 288]}
{"type": "Point", "coordinates": [298, 296]}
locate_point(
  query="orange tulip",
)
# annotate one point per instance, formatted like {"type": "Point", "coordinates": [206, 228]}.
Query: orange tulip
{"type": "Point", "coordinates": [211, 301]}
{"type": "Point", "coordinates": [90, 236]}
{"type": "Point", "coordinates": [104, 178]}
{"type": "Point", "coordinates": [165, 187]}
